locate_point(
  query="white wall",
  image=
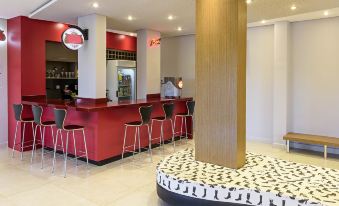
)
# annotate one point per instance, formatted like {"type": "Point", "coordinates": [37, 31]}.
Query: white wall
{"type": "Point", "coordinates": [312, 77]}
{"type": "Point", "coordinates": [178, 60]}
{"type": "Point", "coordinates": [148, 64]}
{"type": "Point", "coordinates": [3, 86]}
{"type": "Point", "coordinates": [259, 88]}
{"type": "Point", "coordinates": [315, 77]}
{"type": "Point", "coordinates": [92, 58]}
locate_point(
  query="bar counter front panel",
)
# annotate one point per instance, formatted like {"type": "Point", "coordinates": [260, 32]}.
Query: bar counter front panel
{"type": "Point", "coordinates": [104, 124]}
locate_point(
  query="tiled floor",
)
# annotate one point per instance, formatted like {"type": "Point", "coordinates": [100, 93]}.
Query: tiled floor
{"type": "Point", "coordinates": [128, 182]}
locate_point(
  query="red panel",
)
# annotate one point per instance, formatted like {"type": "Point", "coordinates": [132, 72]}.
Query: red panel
{"type": "Point", "coordinates": [121, 42]}
{"type": "Point", "coordinates": [27, 58]}
{"type": "Point", "coordinates": [105, 128]}
{"type": "Point", "coordinates": [14, 73]}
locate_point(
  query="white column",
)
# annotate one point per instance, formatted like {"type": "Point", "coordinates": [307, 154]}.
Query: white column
{"type": "Point", "coordinates": [92, 58]}
{"type": "Point", "coordinates": [3, 86]}
{"type": "Point", "coordinates": [148, 64]}
{"type": "Point", "coordinates": [282, 62]}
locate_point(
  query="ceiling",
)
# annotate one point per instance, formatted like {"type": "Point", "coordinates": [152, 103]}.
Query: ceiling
{"type": "Point", "coordinates": [272, 9]}
{"type": "Point", "coordinates": [152, 14]}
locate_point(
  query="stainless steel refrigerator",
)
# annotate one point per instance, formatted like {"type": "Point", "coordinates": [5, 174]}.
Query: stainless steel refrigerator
{"type": "Point", "coordinates": [121, 80]}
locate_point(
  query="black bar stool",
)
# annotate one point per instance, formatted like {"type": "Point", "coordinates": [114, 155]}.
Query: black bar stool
{"type": "Point", "coordinates": [37, 113]}
{"type": "Point", "coordinates": [190, 111]}
{"type": "Point", "coordinates": [168, 109]}
{"type": "Point", "coordinates": [60, 116]}
{"type": "Point", "coordinates": [18, 108]}
{"type": "Point", "coordinates": [145, 116]}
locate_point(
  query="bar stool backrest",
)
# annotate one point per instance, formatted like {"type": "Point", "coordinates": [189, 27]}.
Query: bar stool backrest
{"type": "Point", "coordinates": [145, 114]}
{"type": "Point", "coordinates": [18, 111]}
{"type": "Point", "coordinates": [168, 109]}
{"type": "Point", "coordinates": [60, 116]}
{"type": "Point", "coordinates": [190, 107]}
{"type": "Point", "coordinates": [37, 114]}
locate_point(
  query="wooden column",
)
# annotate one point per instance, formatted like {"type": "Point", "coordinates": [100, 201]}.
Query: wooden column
{"type": "Point", "coordinates": [220, 118]}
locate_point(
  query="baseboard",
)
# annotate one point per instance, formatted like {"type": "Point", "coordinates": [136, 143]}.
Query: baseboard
{"type": "Point", "coordinates": [259, 139]}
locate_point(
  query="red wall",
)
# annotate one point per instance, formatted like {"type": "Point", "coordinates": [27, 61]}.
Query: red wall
{"type": "Point", "coordinates": [27, 56]}
{"type": "Point", "coordinates": [121, 42]}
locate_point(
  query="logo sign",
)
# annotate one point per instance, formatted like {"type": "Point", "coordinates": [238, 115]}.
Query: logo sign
{"type": "Point", "coordinates": [2, 35]}
{"type": "Point", "coordinates": [154, 42]}
{"type": "Point", "coordinates": [73, 38]}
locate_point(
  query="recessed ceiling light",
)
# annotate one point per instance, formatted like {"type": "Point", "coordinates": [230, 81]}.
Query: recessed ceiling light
{"type": "Point", "coordinates": [95, 5]}
{"type": "Point", "coordinates": [170, 17]}
{"type": "Point", "coordinates": [179, 28]}
{"type": "Point", "coordinates": [248, 1]}
{"type": "Point", "coordinates": [293, 7]}
{"type": "Point", "coordinates": [263, 21]}
{"type": "Point", "coordinates": [130, 17]}
{"type": "Point", "coordinates": [326, 13]}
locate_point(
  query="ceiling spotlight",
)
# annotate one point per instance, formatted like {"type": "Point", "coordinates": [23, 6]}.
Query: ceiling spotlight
{"type": "Point", "coordinates": [293, 7]}
{"type": "Point", "coordinates": [179, 28]}
{"type": "Point", "coordinates": [95, 5]}
{"type": "Point", "coordinates": [170, 17]}
{"type": "Point", "coordinates": [263, 21]}
{"type": "Point", "coordinates": [130, 17]}
{"type": "Point", "coordinates": [326, 13]}
{"type": "Point", "coordinates": [248, 1]}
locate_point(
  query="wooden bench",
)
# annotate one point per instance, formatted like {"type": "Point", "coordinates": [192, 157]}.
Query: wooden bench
{"type": "Point", "coordinates": [311, 139]}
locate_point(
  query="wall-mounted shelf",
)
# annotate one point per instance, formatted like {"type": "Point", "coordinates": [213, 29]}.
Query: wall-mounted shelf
{"type": "Point", "coordinates": [62, 78]}
{"type": "Point", "coordinates": [120, 55]}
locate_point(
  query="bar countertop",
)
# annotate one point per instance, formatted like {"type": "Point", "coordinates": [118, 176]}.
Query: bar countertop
{"type": "Point", "coordinates": [94, 106]}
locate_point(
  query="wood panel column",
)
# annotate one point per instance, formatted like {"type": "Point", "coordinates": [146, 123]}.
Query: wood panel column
{"type": "Point", "coordinates": [220, 118]}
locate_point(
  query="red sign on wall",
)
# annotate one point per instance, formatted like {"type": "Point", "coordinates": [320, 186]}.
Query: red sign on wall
{"type": "Point", "coordinates": [73, 38]}
{"type": "Point", "coordinates": [2, 36]}
{"type": "Point", "coordinates": [155, 42]}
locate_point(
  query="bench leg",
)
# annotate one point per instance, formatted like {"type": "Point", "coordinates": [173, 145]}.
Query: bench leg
{"type": "Point", "coordinates": [288, 145]}
{"type": "Point", "coordinates": [325, 151]}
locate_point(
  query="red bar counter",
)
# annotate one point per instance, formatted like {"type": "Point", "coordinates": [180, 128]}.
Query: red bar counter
{"type": "Point", "coordinates": [104, 123]}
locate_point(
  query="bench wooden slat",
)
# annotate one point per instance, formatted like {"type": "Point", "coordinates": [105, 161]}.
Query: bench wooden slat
{"type": "Point", "coordinates": [312, 139]}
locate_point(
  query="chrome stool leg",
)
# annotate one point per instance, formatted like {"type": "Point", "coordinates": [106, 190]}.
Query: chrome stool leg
{"type": "Point", "coordinates": [52, 132]}
{"type": "Point", "coordinates": [162, 135]}
{"type": "Point", "coordinates": [139, 139]}
{"type": "Point", "coordinates": [22, 141]}
{"type": "Point", "coordinates": [186, 129]}
{"type": "Point", "coordinates": [15, 135]}
{"type": "Point", "coordinates": [34, 142]}
{"type": "Point", "coordinates": [65, 157]}
{"type": "Point", "coordinates": [42, 146]}
{"type": "Point", "coordinates": [124, 144]}
{"type": "Point", "coordinates": [181, 127]}
{"type": "Point", "coordinates": [85, 144]}
{"type": "Point", "coordinates": [55, 147]}
{"type": "Point", "coordinates": [149, 142]}
{"type": "Point", "coordinates": [75, 149]}
{"type": "Point", "coordinates": [173, 134]}
{"type": "Point", "coordinates": [135, 140]}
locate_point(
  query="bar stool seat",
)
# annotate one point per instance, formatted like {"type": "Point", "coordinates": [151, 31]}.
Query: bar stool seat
{"type": "Point", "coordinates": [145, 116]}
{"type": "Point", "coordinates": [168, 109]}
{"type": "Point", "coordinates": [60, 117]}
{"type": "Point", "coordinates": [18, 108]}
{"type": "Point", "coordinates": [37, 113]}
{"type": "Point", "coordinates": [73, 127]}
{"type": "Point", "coordinates": [135, 123]}
{"type": "Point", "coordinates": [28, 119]}
{"type": "Point", "coordinates": [48, 123]}
{"type": "Point", "coordinates": [182, 114]}
{"type": "Point", "coordinates": [159, 118]}
{"type": "Point", "coordinates": [190, 111]}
